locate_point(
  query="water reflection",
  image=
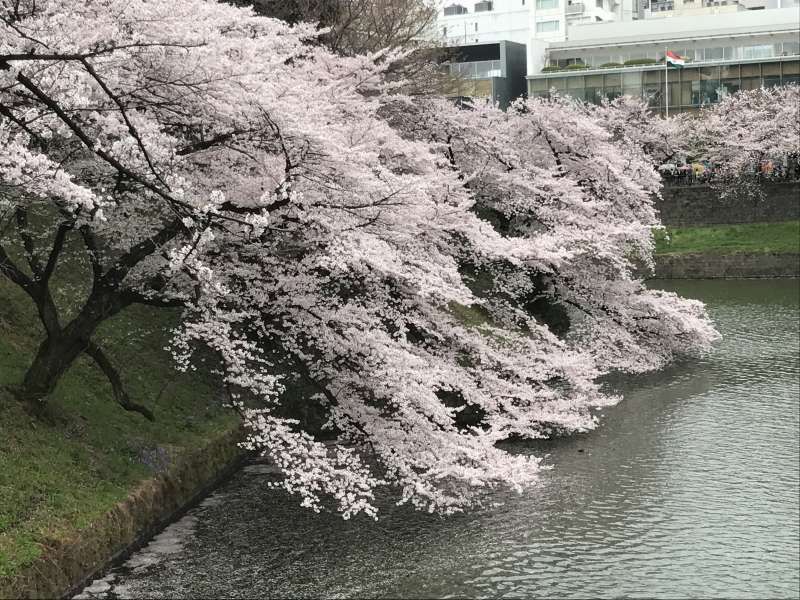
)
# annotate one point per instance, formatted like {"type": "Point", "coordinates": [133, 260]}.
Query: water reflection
{"type": "Point", "coordinates": [689, 488]}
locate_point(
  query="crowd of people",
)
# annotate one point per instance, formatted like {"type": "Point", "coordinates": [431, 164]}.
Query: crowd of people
{"type": "Point", "coordinates": [703, 171]}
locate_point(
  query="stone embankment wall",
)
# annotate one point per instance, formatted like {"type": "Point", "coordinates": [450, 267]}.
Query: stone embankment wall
{"type": "Point", "coordinates": [697, 205]}
{"type": "Point", "coordinates": [727, 266]}
{"type": "Point", "coordinates": [701, 205]}
{"type": "Point", "coordinates": [155, 503]}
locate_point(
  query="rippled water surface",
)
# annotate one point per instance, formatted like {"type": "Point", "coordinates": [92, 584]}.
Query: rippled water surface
{"type": "Point", "coordinates": [689, 488]}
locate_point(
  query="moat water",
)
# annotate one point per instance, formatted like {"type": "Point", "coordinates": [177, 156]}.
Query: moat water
{"type": "Point", "coordinates": [687, 489]}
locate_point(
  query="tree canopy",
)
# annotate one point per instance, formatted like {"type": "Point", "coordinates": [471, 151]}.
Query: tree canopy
{"type": "Point", "coordinates": [432, 279]}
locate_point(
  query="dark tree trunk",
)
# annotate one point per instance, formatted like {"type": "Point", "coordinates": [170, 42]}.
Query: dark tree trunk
{"type": "Point", "coordinates": [53, 358]}
{"type": "Point", "coordinates": [63, 345]}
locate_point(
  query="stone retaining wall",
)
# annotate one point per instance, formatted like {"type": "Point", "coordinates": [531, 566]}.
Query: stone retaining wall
{"type": "Point", "coordinates": [697, 205]}
{"type": "Point", "coordinates": [64, 569]}
{"type": "Point", "coordinates": [727, 266]}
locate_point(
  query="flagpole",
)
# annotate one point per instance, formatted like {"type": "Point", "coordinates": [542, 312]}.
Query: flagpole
{"type": "Point", "coordinates": [666, 82]}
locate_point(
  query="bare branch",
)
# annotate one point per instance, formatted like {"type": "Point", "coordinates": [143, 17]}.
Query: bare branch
{"type": "Point", "coordinates": [123, 111]}
{"type": "Point", "coordinates": [120, 394]}
{"type": "Point", "coordinates": [58, 244]}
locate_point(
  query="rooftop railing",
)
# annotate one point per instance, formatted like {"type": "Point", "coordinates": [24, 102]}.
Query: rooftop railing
{"type": "Point", "coordinates": [482, 69]}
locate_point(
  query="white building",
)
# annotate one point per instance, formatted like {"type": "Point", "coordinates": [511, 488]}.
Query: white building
{"type": "Point", "coordinates": [548, 28]}
{"type": "Point", "coordinates": [724, 53]}
{"type": "Point", "coordinates": [529, 22]}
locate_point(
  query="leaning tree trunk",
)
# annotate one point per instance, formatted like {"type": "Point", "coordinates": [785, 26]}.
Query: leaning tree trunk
{"type": "Point", "coordinates": [62, 347]}
{"type": "Point", "coordinates": [53, 358]}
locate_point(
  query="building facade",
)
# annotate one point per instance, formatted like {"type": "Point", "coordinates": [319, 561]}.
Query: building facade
{"type": "Point", "coordinates": [604, 48]}
{"type": "Point", "coordinates": [495, 71]}
{"type": "Point", "coordinates": [724, 53]}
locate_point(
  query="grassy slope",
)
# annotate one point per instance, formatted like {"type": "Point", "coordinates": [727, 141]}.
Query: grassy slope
{"type": "Point", "coordinates": [56, 477]}
{"type": "Point", "coordinates": [729, 239]}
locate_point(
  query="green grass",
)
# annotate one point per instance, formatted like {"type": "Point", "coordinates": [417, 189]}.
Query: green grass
{"type": "Point", "coordinates": [730, 239]}
{"type": "Point", "coordinates": [57, 476]}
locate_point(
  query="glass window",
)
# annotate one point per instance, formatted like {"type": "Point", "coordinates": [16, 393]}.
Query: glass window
{"type": "Point", "coordinates": [594, 80]}
{"type": "Point", "coordinates": [557, 82]}
{"type": "Point", "coordinates": [770, 69]}
{"type": "Point", "coordinates": [674, 95]}
{"type": "Point", "coordinates": [751, 70]}
{"type": "Point", "coordinates": [653, 95]}
{"type": "Point", "coordinates": [632, 79]}
{"type": "Point", "coordinates": [727, 87]}
{"type": "Point", "coordinates": [791, 48]}
{"type": "Point", "coordinates": [542, 4]}
{"type": "Point", "coordinates": [538, 85]}
{"type": "Point", "coordinates": [791, 67]}
{"type": "Point", "coordinates": [593, 94]}
{"type": "Point", "coordinates": [704, 92]}
{"type": "Point", "coordinates": [546, 26]}
{"type": "Point", "coordinates": [689, 54]}
{"type": "Point", "coordinates": [762, 51]}
{"type": "Point", "coordinates": [729, 72]}
{"type": "Point", "coordinates": [483, 88]}
{"type": "Point", "coordinates": [652, 76]}
{"type": "Point", "coordinates": [686, 92]}
{"type": "Point", "coordinates": [690, 74]}
{"type": "Point", "coordinates": [751, 83]}
{"type": "Point", "coordinates": [636, 92]}
{"type": "Point", "coordinates": [612, 80]}
{"type": "Point", "coordinates": [575, 82]}
{"type": "Point", "coordinates": [713, 54]}
{"type": "Point", "coordinates": [709, 73]}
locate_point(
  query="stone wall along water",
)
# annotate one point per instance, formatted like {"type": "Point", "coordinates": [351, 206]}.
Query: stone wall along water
{"type": "Point", "coordinates": [697, 205]}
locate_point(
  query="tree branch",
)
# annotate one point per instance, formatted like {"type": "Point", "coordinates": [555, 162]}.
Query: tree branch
{"type": "Point", "coordinates": [21, 215]}
{"type": "Point", "coordinates": [209, 143]}
{"type": "Point", "coordinates": [93, 250]}
{"type": "Point", "coordinates": [123, 111]}
{"type": "Point", "coordinates": [173, 202]}
{"type": "Point", "coordinates": [120, 394]}
{"type": "Point", "coordinates": [58, 245]}
{"type": "Point", "coordinates": [15, 274]}
{"type": "Point", "coordinates": [139, 252]}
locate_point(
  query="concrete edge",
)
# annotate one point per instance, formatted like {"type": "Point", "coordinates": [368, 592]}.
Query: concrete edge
{"type": "Point", "coordinates": [63, 570]}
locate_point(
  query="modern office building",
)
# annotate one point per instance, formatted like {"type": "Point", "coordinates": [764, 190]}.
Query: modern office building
{"type": "Point", "coordinates": [724, 53]}
{"type": "Point", "coordinates": [606, 48]}
{"type": "Point", "coordinates": [494, 70]}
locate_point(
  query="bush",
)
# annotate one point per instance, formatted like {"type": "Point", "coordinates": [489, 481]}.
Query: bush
{"type": "Point", "coordinates": [576, 67]}
{"type": "Point", "coordinates": [640, 61]}
{"type": "Point", "coordinates": [551, 68]}
{"type": "Point", "coordinates": [611, 65]}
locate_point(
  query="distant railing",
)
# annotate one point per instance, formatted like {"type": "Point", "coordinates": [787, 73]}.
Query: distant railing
{"type": "Point", "coordinates": [575, 8]}
{"type": "Point", "coordinates": [482, 69]}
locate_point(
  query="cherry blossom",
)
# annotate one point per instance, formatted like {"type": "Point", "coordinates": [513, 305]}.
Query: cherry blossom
{"type": "Point", "coordinates": [432, 280]}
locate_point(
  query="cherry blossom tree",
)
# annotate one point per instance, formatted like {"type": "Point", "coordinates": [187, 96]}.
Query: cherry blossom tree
{"type": "Point", "coordinates": [352, 27]}
{"type": "Point", "coordinates": [630, 120]}
{"type": "Point", "coordinates": [432, 280]}
{"type": "Point", "coordinates": [551, 173]}
{"type": "Point", "coordinates": [356, 26]}
{"type": "Point", "coordinates": [743, 129]}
